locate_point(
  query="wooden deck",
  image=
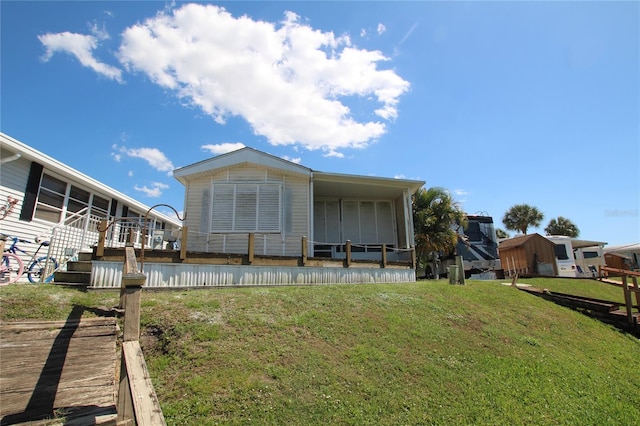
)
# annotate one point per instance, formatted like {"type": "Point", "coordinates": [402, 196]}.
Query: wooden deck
{"type": "Point", "coordinates": [62, 369]}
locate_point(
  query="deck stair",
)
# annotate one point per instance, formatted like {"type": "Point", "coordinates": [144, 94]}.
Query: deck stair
{"type": "Point", "coordinates": [78, 273]}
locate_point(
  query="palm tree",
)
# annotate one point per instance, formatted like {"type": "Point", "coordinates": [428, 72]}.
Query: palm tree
{"type": "Point", "coordinates": [521, 216]}
{"type": "Point", "coordinates": [501, 233]}
{"type": "Point", "coordinates": [562, 226]}
{"type": "Point", "coordinates": [434, 213]}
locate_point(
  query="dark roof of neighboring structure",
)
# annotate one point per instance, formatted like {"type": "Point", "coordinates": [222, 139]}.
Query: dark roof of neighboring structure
{"type": "Point", "coordinates": [519, 241]}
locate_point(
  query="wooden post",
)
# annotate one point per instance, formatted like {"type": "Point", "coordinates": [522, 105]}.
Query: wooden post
{"type": "Point", "coordinates": [131, 236]}
{"type": "Point", "coordinates": [627, 299]}
{"type": "Point", "coordinates": [600, 272]}
{"type": "Point", "coordinates": [384, 255]}
{"type": "Point", "coordinates": [252, 238]}
{"type": "Point", "coordinates": [305, 252]}
{"type": "Point", "coordinates": [132, 282]}
{"type": "Point", "coordinates": [348, 252]}
{"type": "Point", "coordinates": [183, 243]}
{"type": "Point", "coordinates": [414, 263]}
{"type": "Point", "coordinates": [460, 263]}
{"type": "Point", "coordinates": [102, 237]}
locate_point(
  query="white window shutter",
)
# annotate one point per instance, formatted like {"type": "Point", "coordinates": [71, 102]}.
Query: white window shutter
{"type": "Point", "coordinates": [222, 212]}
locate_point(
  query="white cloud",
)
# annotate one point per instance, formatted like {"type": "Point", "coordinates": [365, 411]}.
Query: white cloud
{"type": "Point", "coordinates": [296, 160]}
{"type": "Point", "coordinates": [153, 192]}
{"type": "Point", "coordinates": [222, 148]}
{"type": "Point", "coordinates": [286, 79]}
{"type": "Point", "coordinates": [82, 47]}
{"type": "Point", "coordinates": [381, 28]}
{"type": "Point", "coordinates": [460, 192]}
{"type": "Point", "coordinates": [153, 156]}
{"type": "Point", "coordinates": [363, 32]}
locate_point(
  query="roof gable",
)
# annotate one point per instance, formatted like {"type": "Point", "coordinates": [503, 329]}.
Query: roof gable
{"type": "Point", "coordinates": [241, 156]}
{"type": "Point", "coordinates": [521, 240]}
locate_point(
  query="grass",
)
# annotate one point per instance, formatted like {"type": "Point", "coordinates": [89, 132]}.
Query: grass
{"type": "Point", "coordinates": [388, 354]}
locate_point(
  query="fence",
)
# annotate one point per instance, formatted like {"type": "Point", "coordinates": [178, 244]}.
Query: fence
{"type": "Point", "coordinates": [627, 288]}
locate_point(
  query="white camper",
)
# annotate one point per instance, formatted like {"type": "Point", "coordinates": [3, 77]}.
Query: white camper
{"type": "Point", "coordinates": [564, 256]}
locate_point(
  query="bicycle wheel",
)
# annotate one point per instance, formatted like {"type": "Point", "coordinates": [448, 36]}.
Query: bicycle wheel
{"type": "Point", "coordinates": [42, 267]}
{"type": "Point", "coordinates": [11, 268]}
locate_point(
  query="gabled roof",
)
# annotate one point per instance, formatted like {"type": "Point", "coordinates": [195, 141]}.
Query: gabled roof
{"type": "Point", "coordinates": [520, 240]}
{"type": "Point", "coordinates": [244, 155]}
{"type": "Point", "coordinates": [333, 184]}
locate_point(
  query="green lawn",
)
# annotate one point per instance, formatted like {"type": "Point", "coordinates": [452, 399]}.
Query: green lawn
{"type": "Point", "coordinates": [388, 354]}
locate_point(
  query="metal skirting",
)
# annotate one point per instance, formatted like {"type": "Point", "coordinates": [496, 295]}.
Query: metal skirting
{"type": "Point", "coordinates": [167, 275]}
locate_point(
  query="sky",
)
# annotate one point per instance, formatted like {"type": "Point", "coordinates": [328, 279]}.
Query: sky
{"type": "Point", "coordinates": [501, 102]}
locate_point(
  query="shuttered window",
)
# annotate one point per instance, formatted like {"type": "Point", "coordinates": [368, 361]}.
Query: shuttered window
{"type": "Point", "coordinates": [246, 207]}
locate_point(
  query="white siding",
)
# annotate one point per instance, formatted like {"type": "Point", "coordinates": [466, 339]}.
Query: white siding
{"type": "Point", "coordinates": [294, 213]}
{"type": "Point", "coordinates": [13, 183]}
{"type": "Point", "coordinates": [109, 275]}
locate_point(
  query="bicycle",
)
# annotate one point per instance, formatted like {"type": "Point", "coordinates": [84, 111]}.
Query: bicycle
{"type": "Point", "coordinates": [40, 268]}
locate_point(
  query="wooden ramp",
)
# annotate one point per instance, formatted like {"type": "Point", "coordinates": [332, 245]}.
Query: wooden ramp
{"type": "Point", "coordinates": [61, 369]}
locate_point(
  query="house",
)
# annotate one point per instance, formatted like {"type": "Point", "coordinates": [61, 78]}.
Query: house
{"type": "Point", "coordinates": [250, 192]}
{"type": "Point", "coordinates": [255, 219]}
{"type": "Point", "coordinates": [41, 196]}
{"type": "Point", "coordinates": [528, 254]}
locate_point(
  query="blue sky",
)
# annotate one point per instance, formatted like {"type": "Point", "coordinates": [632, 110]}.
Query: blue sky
{"type": "Point", "coordinates": [501, 103]}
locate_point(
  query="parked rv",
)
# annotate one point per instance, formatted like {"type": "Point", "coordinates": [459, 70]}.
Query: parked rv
{"type": "Point", "coordinates": [478, 246]}
{"type": "Point", "coordinates": [564, 255]}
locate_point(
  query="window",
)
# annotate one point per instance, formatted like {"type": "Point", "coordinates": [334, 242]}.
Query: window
{"type": "Point", "coordinates": [246, 207]}
{"type": "Point", "coordinates": [561, 252]}
{"type": "Point", "coordinates": [57, 199]}
{"type": "Point", "coordinates": [50, 199]}
{"type": "Point", "coordinates": [590, 254]}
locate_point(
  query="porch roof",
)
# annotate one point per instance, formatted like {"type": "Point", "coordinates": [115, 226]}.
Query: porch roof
{"type": "Point", "coordinates": [357, 186]}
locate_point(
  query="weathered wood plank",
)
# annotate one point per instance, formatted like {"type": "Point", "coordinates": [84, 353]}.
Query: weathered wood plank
{"type": "Point", "coordinates": [54, 368]}
{"type": "Point", "coordinates": [145, 403]}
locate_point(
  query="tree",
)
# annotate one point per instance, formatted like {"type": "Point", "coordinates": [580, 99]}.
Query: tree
{"type": "Point", "coordinates": [501, 233]}
{"type": "Point", "coordinates": [521, 216]}
{"type": "Point", "coordinates": [434, 213]}
{"type": "Point", "coordinates": [562, 226]}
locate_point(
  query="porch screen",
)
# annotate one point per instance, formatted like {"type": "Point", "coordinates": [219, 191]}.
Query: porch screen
{"type": "Point", "coordinates": [363, 222]}
{"type": "Point", "coordinates": [368, 222]}
{"type": "Point", "coordinates": [246, 207]}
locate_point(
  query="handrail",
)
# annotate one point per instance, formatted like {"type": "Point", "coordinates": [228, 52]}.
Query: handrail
{"type": "Point", "coordinates": [137, 400]}
{"type": "Point", "coordinates": [628, 289]}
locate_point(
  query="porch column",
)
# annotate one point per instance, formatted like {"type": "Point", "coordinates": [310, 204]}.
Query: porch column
{"type": "Point", "coordinates": [311, 234]}
{"type": "Point", "coordinates": [408, 219]}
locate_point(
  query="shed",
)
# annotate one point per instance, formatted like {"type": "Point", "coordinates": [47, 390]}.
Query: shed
{"type": "Point", "coordinates": [528, 254]}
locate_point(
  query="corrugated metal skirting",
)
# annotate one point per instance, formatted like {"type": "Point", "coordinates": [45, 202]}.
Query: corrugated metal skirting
{"type": "Point", "coordinates": [109, 275]}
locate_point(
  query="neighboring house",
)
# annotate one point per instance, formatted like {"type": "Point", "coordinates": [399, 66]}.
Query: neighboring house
{"type": "Point", "coordinates": [41, 196]}
{"type": "Point", "coordinates": [528, 254]}
{"type": "Point", "coordinates": [250, 192]}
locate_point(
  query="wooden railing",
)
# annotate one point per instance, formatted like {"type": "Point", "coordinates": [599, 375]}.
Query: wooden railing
{"type": "Point", "coordinates": [627, 288]}
{"type": "Point", "coordinates": [137, 400]}
{"type": "Point", "coordinates": [250, 254]}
